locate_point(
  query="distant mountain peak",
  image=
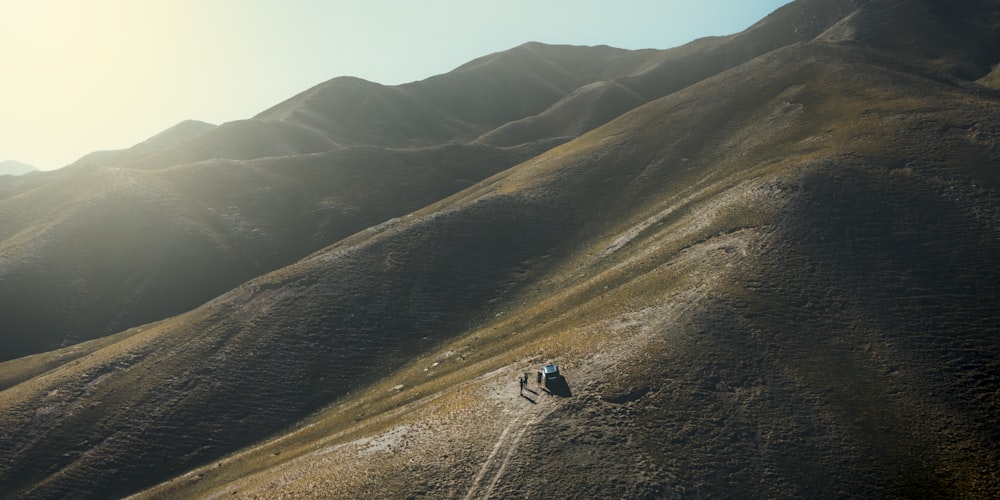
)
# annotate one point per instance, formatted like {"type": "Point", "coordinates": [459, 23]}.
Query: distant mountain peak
{"type": "Point", "coordinates": [173, 136]}
{"type": "Point", "coordinates": [187, 129]}
{"type": "Point", "coordinates": [12, 167]}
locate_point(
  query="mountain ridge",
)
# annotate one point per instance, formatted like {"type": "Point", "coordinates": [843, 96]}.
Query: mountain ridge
{"type": "Point", "coordinates": [778, 281]}
{"type": "Point", "coordinates": [217, 224]}
{"type": "Point", "coordinates": [566, 104]}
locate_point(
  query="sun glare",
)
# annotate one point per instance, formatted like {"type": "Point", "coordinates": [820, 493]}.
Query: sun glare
{"type": "Point", "coordinates": [14, 12]}
{"type": "Point", "coordinates": [68, 65]}
{"type": "Point", "coordinates": [83, 75]}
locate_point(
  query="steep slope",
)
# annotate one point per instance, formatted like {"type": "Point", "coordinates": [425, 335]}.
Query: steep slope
{"type": "Point", "coordinates": [958, 39]}
{"type": "Point", "coordinates": [534, 94]}
{"type": "Point", "coordinates": [528, 93]}
{"type": "Point", "coordinates": [667, 71]}
{"type": "Point", "coordinates": [573, 88]}
{"type": "Point", "coordinates": [779, 281]}
{"type": "Point", "coordinates": [94, 251]}
{"type": "Point", "coordinates": [586, 108]}
{"type": "Point", "coordinates": [134, 247]}
{"type": "Point", "coordinates": [454, 107]}
{"type": "Point", "coordinates": [795, 22]}
{"type": "Point", "coordinates": [458, 105]}
{"type": "Point", "coordinates": [764, 302]}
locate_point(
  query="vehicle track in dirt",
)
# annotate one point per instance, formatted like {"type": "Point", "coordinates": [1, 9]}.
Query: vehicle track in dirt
{"type": "Point", "coordinates": [509, 439]}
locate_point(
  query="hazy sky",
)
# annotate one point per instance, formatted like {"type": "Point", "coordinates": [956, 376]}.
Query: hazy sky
{"type": "Point", "coordinates": [82, 75]}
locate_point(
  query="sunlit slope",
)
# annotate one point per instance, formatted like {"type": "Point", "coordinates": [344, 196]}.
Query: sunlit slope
{"type": "Point", "coordinates": [458, 105]}
{"type": "Point", "coordinates": [267, 353]}
{"type": "Point", "coordinates": [530, 92]}
{"type": "Point", "coordinates": [178, 134]}
{"type": "Point", "coordinates": [784, 272]}
{"type": "Point", "coordinates": [112, 247]}
{"type": "Point", "coordinates": [453, 107]}
{"type": "Point", "coordinates": [91, 251]}
{"type": "Point", "coordinates": [782, 307]}
{"type": "Point", "coordinates": [103, 245]}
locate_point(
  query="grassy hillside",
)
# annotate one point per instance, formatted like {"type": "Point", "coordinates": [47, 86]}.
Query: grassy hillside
{"type": "Point", "coordinates": [776, 309]}
{"type": "Point", "coordinates": [94, 251]}
{"type": "Point", "coordinates": [454, 107]}
{"type": "Point", "coordinates": [787, 318]}
{"type": "Point", "coordinates": [778, 281]}
{"type": "Point", "coordinates": [104, 245]}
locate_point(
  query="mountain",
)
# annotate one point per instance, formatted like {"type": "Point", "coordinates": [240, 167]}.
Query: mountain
{"type": "Point", "coordinates": [113, 248]}
{"type": "Point", "coordinates": [455, 107]}
{"type": "Point", "coordinates": [11, 167]}
{"type": "Point", "coordinates": [777, 280]}
{"type": "Point", "coordinates": [529, 83]}
{"type": "Point", "coordinates": [173, 136]}
{"type": "Point", "coordinates": [131, 260]}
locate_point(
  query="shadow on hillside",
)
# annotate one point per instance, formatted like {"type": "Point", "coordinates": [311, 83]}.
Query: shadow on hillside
{"type": "Point", "coordinates": [558, 387]}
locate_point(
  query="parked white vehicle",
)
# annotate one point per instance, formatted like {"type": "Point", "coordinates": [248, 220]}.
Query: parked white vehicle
{"type": "Point", "coordinates": [550, 372]}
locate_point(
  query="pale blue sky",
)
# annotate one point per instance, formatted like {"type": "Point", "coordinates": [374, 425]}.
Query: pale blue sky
{"type": "Point", "coordinates": [83, 75]}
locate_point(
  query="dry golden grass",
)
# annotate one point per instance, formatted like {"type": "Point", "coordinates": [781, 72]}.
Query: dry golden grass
{"type": "Point", "coordinates": [694, 311]}
{"type": "Point", "coordinates": [777, 282]}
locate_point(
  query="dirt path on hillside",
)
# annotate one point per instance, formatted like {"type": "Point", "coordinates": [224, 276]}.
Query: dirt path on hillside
{"type": "Point", "coordinates": [477, 439]}
{"type": "Point", "coordinates": [508, 441]}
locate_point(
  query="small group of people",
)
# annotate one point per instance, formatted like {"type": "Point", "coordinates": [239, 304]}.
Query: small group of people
{"type": "Point", "coordinates": [523, 381]}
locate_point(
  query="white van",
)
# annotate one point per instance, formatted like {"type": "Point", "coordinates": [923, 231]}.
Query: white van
{"type": "Point", "coordinates": [550, 372]}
